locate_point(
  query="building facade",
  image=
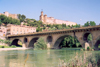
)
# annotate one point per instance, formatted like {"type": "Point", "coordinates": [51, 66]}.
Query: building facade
{"type": "Point", "coordinates": [51, 20]}
{"type": "Point", "coordinates": [16, 29]}
{"type": "Point", "coordinates": [9, 15]}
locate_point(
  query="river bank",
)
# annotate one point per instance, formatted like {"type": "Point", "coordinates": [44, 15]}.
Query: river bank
{"type": "Point", "coordinates": [6, 49]}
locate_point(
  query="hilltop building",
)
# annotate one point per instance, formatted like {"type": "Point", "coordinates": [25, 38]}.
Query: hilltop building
{"type": "Point", "coordinates": [9, 15]}
{"type": "Point", "coordinates": [51, 20]}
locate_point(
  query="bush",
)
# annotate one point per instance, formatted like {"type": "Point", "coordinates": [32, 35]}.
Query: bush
{"type": "Point", "coordinates": [13, 46]}
{"type": "Point", "coordinates": [1, 46]}
{"type": "Point", "coordinates": [40, 44]}
{"type": "Point", "coordinates": [5, 41]}
{"type": "Point", "coordinates": [7, 47]}
{"type": "Point", "coordinates": [88, 48]}
{"type": "Point", "coordinates": [99, 46]}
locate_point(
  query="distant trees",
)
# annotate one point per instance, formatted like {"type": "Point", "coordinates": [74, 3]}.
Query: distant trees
{"type": "Point", "coordinates": [21, 17]}
{"type": "Point", "coordinates": [8, 20]}
{"type": "Point", "coordinates": [90, 23]}
{"type": "Point", "coordinates": [0, 22]}
{"type": "Point", "coordinates": [38, 29]}
{"type": "Point", "coordinates": [5, 41]}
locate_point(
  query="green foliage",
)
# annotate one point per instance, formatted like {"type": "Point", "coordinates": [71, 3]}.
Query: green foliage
{"type": "Point", "coordinates": [8, 20]}
{"type": "Point", "coordinates": [13, 46]}
{"type": "Point", "coordinates": [70, 41]}
{"type": "Point", "coordinates": [51, 29]}
{"type": "Point", "coordinates": [90, 23]}
{"type": "Point", "coordinates": [78, 44]}
{"type": "Point", "coordinates": [89, 38]}
{"type": "Point", "coordinates": [2, 46]}
{"type": "Point", "coordinates": [38, 29]}
{"type": "Point", "coordinates": [40, 44]}
{"type": "Point", "coordinates": [86, 24]}
{"type": "Point", "coordinates": [64, 25]}
{"type": "Point", "coordinates": [5, 41]}
{"type": "Point", "coordinates": [99, 46]}
{"type": "Point", "coordinates": [0, 22]}
{"type": "Point", "coordinates": [88, 48]}
{"type": "Point", "coordinates": [21, 17]}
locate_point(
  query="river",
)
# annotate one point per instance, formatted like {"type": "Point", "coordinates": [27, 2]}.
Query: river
{"type": "Point", "coordinates": [36, 58]}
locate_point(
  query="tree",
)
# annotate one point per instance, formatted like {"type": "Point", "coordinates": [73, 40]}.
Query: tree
{"type": "Point", "coordinates": [40, 44]}
{"type": "Point", "coordinates": [0, 22]}
{"type": "Point", "coordinates": [89, 38]}
{"type": "Point", "coordinates": [38, 29]}
{"type": "Point", "coordinates": [70, 41]}
{"type": "Point", "coordinates": [21, 17]}
{"type": "Point", "coordinates": [92, 23]}
{"type": "Point", "coordinates": [64, 25]}
{"type": "Point", "coordinates": [87, 24]}
{"type": "Point", "coordinates": [8, 20]}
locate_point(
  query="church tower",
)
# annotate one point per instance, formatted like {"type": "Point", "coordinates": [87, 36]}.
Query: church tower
{"type": "Point", "coordinates": [42, 17]}
{"type": "Point", "coordinates": [45, 18]}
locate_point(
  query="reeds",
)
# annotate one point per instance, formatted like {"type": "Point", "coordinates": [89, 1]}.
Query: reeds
{"type": "Point", "coordinates": [85, 60]}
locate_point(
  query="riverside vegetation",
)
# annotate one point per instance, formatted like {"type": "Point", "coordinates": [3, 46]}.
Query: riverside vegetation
{"type": "Point", "coordinates": [87, 59]}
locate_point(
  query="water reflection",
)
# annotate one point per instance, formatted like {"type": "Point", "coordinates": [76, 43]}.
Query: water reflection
{"type": "Point", "coordinates": [35, 58]}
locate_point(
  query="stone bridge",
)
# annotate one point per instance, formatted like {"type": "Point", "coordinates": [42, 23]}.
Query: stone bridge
{"type": "Point", "coordinates": [54, 38]}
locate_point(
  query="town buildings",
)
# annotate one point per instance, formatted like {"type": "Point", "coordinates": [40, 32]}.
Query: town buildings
{"type": "Point", "coordinates": [9, 15]}
{"type": "Point", "coordinates": [51, 20]}
{"type": "Point", "coordinates": [12, 29]}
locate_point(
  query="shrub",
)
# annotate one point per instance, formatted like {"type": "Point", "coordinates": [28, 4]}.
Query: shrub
{"type": "Point", "coordinates": [6, 47]}
{"type": "Point", "coordinates": [99, 46]}
{"type": "Point", "coordinates": [1, 46]}
{"type": "Point", "coordinates": [13, 46]}
{"type": "Point", "coordinates": [40, 44]}
{"type": "Point", "coordinates": [88, 48]}
{"type": "Point", "coordinates": [5, 41]}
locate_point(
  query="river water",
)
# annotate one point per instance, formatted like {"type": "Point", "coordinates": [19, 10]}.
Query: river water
{"type": "Point", "coordinates": [36, 58]}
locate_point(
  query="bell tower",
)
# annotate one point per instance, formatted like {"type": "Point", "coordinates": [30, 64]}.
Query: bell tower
{"type": "Point", "coordinates": [42, 17]}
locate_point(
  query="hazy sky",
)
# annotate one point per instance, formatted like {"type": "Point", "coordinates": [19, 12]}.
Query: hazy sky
{"type": "Point", "coordinates": [79, 11]}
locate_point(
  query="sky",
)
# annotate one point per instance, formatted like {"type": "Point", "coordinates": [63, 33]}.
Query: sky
{"type": "Point", "coordinates": [79, 11]}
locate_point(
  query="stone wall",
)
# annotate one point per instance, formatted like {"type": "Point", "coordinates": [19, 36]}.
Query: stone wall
{"type": "Point", "coordinates": [9, 15]}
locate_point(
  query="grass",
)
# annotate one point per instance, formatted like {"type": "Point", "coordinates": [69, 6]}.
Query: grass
{"type": "Point", "coordinates": [88, 59]}
{"type": "Point", "coordinates": [13, 46]}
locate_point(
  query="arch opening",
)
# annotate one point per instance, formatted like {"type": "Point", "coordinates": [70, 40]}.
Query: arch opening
{"type": "Point", "coordinates": [25, 40]}
{"type": "Point", "coordinates": [67, 41]}
{"type": "Point", "coordinates": [87, 37]}
{"type": "Point", "coordinates": [97, 45]}
{"type": "Point", "coordinates": [32, 42]}
{"type": "Point", "coordinates": [17, 43]}
{"type": "Point", "coordinates": [49, 39]}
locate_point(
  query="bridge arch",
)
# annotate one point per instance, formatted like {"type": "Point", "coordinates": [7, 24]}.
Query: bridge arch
{"type": "Point", "coordinates": [17, 42]}
{"type": "Point", "coordinates": [25, 40]}
{"type": "Point", "coordinates": [85, 36]}
{"type": "Point", "coordinates": [49, 39]}
{"type": "Point", "coordinates": [97, 43]}
{"type": "Point", "coordinates": [59, 39]}
{"type": "Point", "coordinates": [31, 43]}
